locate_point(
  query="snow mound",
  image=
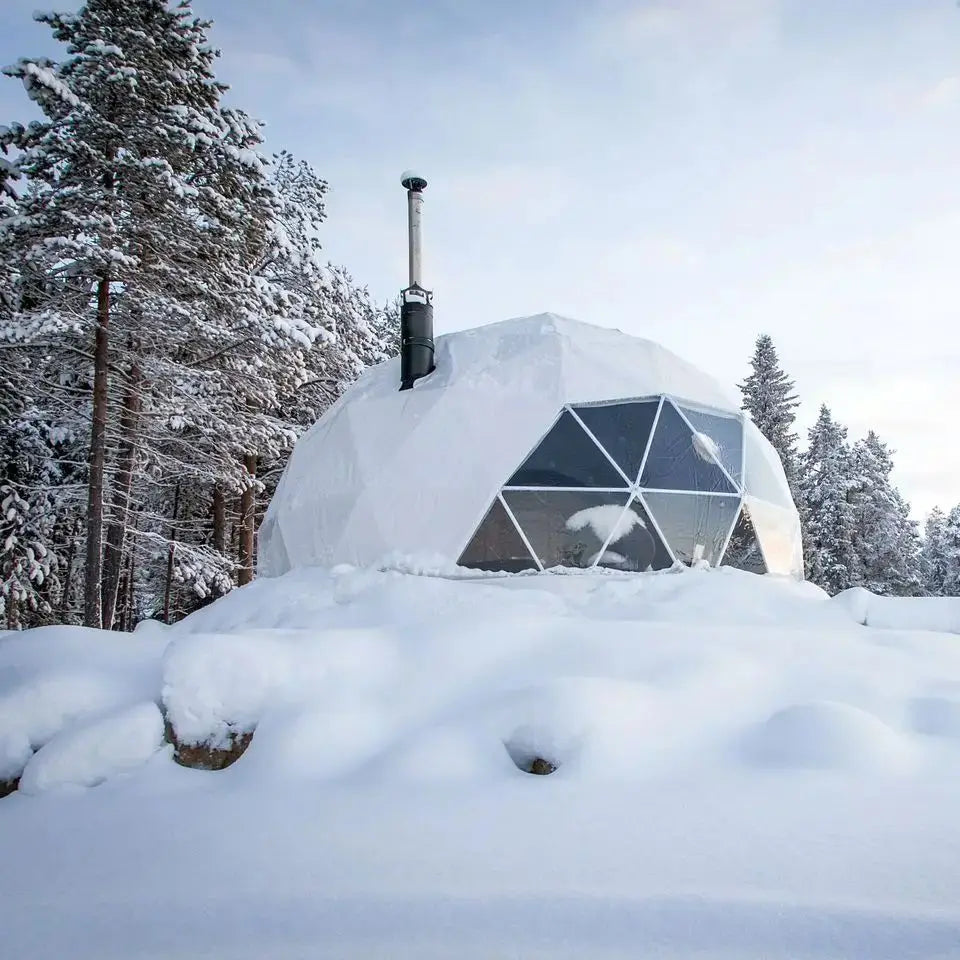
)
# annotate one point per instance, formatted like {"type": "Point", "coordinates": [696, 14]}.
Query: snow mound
{"type": "Point", "coordinates": [87, 755]}
{"type": "Point", "coordinates": [826, 735]}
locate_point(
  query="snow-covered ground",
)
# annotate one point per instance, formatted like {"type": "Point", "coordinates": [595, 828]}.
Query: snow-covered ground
{"type": "Point", "coordinates": [744, 770]}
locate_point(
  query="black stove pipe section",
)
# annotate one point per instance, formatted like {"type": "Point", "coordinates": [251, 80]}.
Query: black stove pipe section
{"type": "Point", "coordinates": [416, 310]}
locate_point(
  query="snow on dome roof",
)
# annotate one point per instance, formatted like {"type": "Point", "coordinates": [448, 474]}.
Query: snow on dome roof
{"type": "Point", "coordinates": [415, 472]}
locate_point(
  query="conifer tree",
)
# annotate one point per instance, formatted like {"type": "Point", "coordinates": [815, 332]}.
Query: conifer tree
{"type": "Point", "coordinates": [827, 485]}
{"type": "Point", "coordinates": [885, 537]}
{"type": "Point", "coordinates": [951, 553]}
{"type": "Point", "coordinates": [934, 556]}
{"type": "Point", "coordinates": [769, 398]}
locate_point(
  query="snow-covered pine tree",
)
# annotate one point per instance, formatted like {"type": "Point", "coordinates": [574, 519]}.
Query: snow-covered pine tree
{"type": "Point", "coordinates": [827, 484]}
{"type": "Point", "coordinates": [769, 398]}
{"type": "Point", "coordinates": [886, 538]}
{"type": "Point", "coordinates": [152, 200]}
{"type": "Point", "coordinates": [951, 553]}
{"type": "Point", "coordinates": [934, 557]}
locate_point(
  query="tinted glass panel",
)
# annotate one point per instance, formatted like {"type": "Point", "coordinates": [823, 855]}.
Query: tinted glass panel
{"type": "Point", "coordinates": [496, 545]}
{"type": "Point", "coordinates": [743, 551]}
{"type": "Point", "coordinates": [675, 462]}
{"type": "Point", "coordinates": [623, 429]}
{"type": "Point", "coordinates": [567, 457]}
{"type": "Point", "coordinates": [635, 544]}
{"type": "Point", "coordinates": [566, 528]}
{"type": "Point", "coordinates": [695, 527]}
{"type": "Point", "coordinates": [723, 436]}
{"type": "Point", "coordinates": [764, 478]}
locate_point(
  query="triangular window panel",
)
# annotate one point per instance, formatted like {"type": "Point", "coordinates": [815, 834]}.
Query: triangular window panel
{"type": "Point", "coordinates": [743, 551]}
{"type": "Point", "coordinates": [567, 457]}
{"type": "Point", "coordinates": [723, 436]}
{"type": "Point", "coordinates": [696, 527]}
{"type": "Point", "coordinates": [634, 543]}
{"type": "Point", "coordinates": [567, 528]}
{"type": "Point", "coordinates": [765, 478]}
{"type": "Point", "coordinates": [497, 545]}
{"type": "Point", "coordinates": [677, 462]}
{"type": "Point", "coordinates": [623, 429]}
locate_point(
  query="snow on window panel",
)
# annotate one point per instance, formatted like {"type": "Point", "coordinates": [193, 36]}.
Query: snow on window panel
{"type": "Point", "coordinates": [567, 528]}
{"type": "Point", "coordinates": [567, 457]}
{"type": "Point", "coordinates": [778, 531]}
{"type": "Point", "coordinates": [634, 543]}
{"type": "Point", "coordinates": [723, 436]}
{"type": "Point", "coordinates": [679, 459]}
{"type": "Point", "coordinates": [743, 551]}
{"type": "Point", "coordinates": [623, 429]}
{"type": "Point", "coordinates": [764, 477]}
{"type": "Point", "coordinates": [696, 527]}
{"type": "Point", "coordinates": [497, 545]}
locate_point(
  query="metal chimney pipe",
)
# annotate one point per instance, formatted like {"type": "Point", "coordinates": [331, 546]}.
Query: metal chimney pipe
{"type": "Point", "coordinates": [416, 310]}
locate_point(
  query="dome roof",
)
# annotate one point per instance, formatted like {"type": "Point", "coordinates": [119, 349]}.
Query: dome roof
{"type": "Point", "coordinates": [536, 407]}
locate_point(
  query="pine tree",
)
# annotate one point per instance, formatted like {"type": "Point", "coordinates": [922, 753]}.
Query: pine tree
{"type": "Point", "coordinates": [951, 553]}
{"type": "Point", "coordinates": [885, 537]}
{"type": "Point", "coordinates": [145, 222]}
{"type": "Point", "coordinates": [934, 556]}
{"type": "Point", "coordinates": [769, 398]}
{"type": "Point", "coordinates": [827, 484]}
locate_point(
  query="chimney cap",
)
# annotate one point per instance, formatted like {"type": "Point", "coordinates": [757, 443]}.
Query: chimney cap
{"type": "Point", "coordinates": [412, 180]}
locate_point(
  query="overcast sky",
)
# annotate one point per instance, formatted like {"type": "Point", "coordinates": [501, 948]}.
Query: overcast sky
{"type": "Point", "coordinates": [692, 171]}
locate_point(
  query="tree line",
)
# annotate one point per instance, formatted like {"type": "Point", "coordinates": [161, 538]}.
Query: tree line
{"type": "Point", "coordinates": [168, 324]}
{"type": "Point", "coordinates": [857, 528]}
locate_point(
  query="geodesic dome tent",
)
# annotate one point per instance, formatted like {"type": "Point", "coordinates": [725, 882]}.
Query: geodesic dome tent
{"type": "Point", "coordinates": [536, 443]}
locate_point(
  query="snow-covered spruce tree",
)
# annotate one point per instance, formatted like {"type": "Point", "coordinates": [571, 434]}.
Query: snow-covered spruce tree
{"type": "Point", "coordinates": [827, 484]}
{"type": "Point", "coordinates": [152, 199]}
{"type": "Point", "coordinates": [934, 556]}
{"type": "Point", "coordinates": [769, 398]}
{"type": "Point", "coordinates": [951, 553]}
{"type": "Point", "coordinates": [886, 538]}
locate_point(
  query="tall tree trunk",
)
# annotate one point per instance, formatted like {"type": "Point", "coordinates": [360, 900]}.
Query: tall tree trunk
{"type": "Point", "coordinates": [219, 520]}
{"type": "Point", "coordinates": [170, 553]}
{"type": "Point", "coordinates": [127, 622]}
{"type": "Point", "coordinates": [120, 503]}
{"type": "Point", "coordinates": [93, 573]}
{"type": "Point", "coordinates": [248, 515]}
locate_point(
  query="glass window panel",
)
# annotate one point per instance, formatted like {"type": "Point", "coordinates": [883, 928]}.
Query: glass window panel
{"type": "Point", "coordinates": [695, 527]}
{"type": "Point", "coordinates": [623, 429]}
{"type": "Point", "coordinates": [764, 478]}
{"type": "Point", "coordinates": [778, 531]}
{"type": "Point", "coordinates": [743, 551]}
{"type": "Point", "coordinates": [497, 545]}
{"type": "Point", "coordinates": [635, 544]}
{"type": "Point", "coordinates": [566, 528]}
{"type": "Point", "coordinates": [675, 462]}
{"type": "Point", "coordinates": [567, 457]}
{"type": "Point", "coordinates": [722, 435]}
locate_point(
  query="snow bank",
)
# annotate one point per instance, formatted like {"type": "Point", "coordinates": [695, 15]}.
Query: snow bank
{"type": "Point", "coordinates": [54, 677]}
{"type": "Point", "coordinates": [939, 614]}
{"type": "Point", "coordinates": [740, 763]}
{"type": "Point", "coordinates": [87, 755]}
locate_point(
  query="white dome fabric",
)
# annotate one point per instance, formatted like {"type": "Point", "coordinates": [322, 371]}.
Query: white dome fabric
{"type": "Point", "coordinates": [416, 472]}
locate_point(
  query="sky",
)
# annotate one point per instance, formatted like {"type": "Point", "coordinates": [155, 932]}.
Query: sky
{"type": "Point", "coordinates": [696, 172]}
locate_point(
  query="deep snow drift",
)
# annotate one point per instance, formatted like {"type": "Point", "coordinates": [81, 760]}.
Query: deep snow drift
{"type": "Point", "coordinates": [744, 770]}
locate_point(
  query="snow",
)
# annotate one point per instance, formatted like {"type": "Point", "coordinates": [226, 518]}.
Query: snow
{"type": "Point", "coordinates": [87, 755]}
{"type": "Point", "coordinates": [743, 770]}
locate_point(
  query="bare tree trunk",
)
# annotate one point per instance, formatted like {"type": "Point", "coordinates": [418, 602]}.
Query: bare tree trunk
{"type": "Point", "coordinates": [120, 503]}
{"type": "Point", "coordinates": [219, 520]}
{"type": "Point", "coordinates": [127, 620]}
{"type": "Point", "coordinates": [93, 573]}
{"type": "Point", "coordinates": [170, 553]}
{"type": "Point", "coordinates": [248, 515]}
